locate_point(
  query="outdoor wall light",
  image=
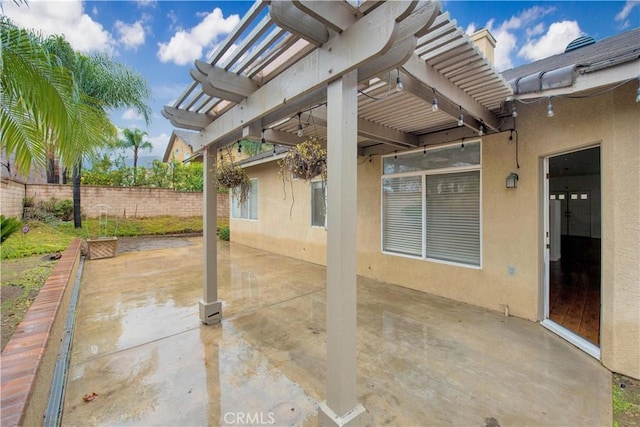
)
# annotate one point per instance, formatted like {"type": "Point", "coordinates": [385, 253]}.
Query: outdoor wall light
{"type": "Point", "coordinates": [550, 112]}
{"type": "Point", "coordinates": [512, 180]}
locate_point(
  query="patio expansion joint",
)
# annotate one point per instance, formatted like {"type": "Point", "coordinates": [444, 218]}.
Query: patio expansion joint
{"type": "Point", "coordinates": [224, 319]}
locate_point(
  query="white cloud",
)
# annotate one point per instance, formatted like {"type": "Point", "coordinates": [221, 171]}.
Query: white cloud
{"type": "Point", "coordinates": [537, 30]}
{"type": "Point", "coordinates": [131, 114]}
{"type": "Point", "coordinates": [159, 143]}
{"type": "Point", "coordinates": [626, 10]}
{"type": "Point", "coordinates": [559, 35]}
{"type": "Point", "coordinates": [174, 20]}
{"type": "Point", "coordinates": [146, 3]}
{"type": "Point", "coordinates": [506, 33]}
{"type": "Point", "coordinates": [62, 17]}
{"type": "Point", "coordinates": [471, 28]}
{"type": "Point", "coordinates": [132, 35]}
{"type": "Point", "coordinates": [186, 46]}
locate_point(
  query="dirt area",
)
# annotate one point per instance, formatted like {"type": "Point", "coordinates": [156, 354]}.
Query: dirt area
{"type": "Point", "coordinates": [626, 401]}
{"type": "Point", "coordinates": [21, 280]}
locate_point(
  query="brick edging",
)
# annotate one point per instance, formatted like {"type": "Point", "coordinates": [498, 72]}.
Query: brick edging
{"type": "Point", "coordinates": [23, 356]}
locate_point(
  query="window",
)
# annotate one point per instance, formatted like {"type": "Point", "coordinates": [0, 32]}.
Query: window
{"type": "Point", "coordinates": [248, 209]}
{"type": "Point", "coordinates": [431, 204]}
{"type": "Point", "coordinates": [318, 204]}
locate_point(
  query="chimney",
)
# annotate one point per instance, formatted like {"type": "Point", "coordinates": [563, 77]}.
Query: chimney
{"type": "Point", "coordinates": [484, 41]}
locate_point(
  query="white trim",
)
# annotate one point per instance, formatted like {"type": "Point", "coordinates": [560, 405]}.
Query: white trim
{"type": "Point", "coordinates": [627, 72]}
{"type": "Point", "coordinates": [573, 338]}
{"type": "Point", "coordinates": [263, 160]}
{"type": "Point", "coordinates": [564, 333]}
{"type": "Point", "coordinates": [545, 239]}
{"type": "Point", "coordinates": [424, 174]}
{"type": "Point", "coordinates": [437, 261]}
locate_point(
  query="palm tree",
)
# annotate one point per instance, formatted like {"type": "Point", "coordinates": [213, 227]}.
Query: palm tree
{"type": "Point", "coordinates": [53, 99]}
{"type": "Point", "coordinates": [134, 138]}
{"type": "Point", "coordinates": [39, 103]}
{"type": "Point", "coordinates": [105, 84]}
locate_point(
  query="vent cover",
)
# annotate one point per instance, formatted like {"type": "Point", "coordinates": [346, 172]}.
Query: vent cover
{"type": "Point", "coordinates": [580, 42]}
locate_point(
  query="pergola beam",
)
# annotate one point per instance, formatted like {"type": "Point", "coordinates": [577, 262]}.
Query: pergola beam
{"type": "Point", "coordinates": [208, 88]}
{"type": "Point", "coordinates": [336, 15]}
{"type": "Point", "coordinates": [374, 131]}
{"type": "Point", "coordinates": [365, 40]}
{"type": "Point", "coordinates": [227, 81]}
{"type": "Point", "coordinates": [428, 76]}
{"type": "Point", "coordinates": [297, 22]}
{"type": "Point", "coordinates": [186, 119]}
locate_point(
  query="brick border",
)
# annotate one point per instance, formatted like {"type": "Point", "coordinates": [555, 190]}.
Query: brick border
{"type": "Point", "coordinates": [35, 343]}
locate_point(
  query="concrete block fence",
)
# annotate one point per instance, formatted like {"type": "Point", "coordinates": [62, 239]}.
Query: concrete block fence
{"type": "Point", "coordinates": [123, 202]}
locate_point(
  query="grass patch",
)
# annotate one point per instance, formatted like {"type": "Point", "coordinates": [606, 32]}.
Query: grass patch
{"type": "Point", "coordinates": [42, 238]}
{"type": "Point", "coordinates": [46, 238]}
{"type": "Point", "coordinates": [133, 227]}
{"type": "Point", "coordinates": [626, 401]}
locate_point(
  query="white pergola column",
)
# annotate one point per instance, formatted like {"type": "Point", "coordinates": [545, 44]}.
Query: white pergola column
{"type": "Point", "coordinates": [210, 307]}
{"type": "Point", "coordinates": [341, 407]}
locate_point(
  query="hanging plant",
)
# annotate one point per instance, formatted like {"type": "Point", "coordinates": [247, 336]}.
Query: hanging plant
{"type": "Point", "coordinates": [306, 160]}
{"type": "Point", "coordinates": [232, 177]}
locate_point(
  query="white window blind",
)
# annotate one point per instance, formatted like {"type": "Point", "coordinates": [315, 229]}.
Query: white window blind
{"type": "Point", "coordinates": [453, 217]}
{"type": "Point", "coordinates": [402, 215]}
{"type": "Point", "coordinates": [432, 210]}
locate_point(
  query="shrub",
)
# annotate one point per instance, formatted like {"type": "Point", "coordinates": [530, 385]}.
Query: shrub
{"type": "Point", "coordinates": [8, 226]}
{"type": "Point", "coordinates": [225, 233]}
{"type": "Point", "coordinates": [63, 210]}
{"type": "Point", "coordinates": [27, 202]}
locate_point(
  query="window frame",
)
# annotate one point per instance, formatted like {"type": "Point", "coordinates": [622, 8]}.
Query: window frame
{"type": "Point", "coordinates": [323, 186]}
{"type": "Point", "coordinates": [249, 204]}
{"type": "Point", "coordinates": [423, 174]}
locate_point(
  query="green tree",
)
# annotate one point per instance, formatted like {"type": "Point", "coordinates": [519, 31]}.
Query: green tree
{"type": "Point", "coordinates": [41, 108]}
{"type": "Point", "coordinates": [103, 84]}
{"type": "Point", "coordinates": [134, 139]}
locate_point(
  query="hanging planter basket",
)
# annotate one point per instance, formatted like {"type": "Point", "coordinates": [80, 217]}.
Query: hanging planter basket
{"type": "Point", "coordinates": [306, 160]}
{"type": "Point", "coordinates": [233, 177]}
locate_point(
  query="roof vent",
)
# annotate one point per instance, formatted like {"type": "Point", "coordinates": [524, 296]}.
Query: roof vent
{"type": "Point", "coordinates": [580, 42]}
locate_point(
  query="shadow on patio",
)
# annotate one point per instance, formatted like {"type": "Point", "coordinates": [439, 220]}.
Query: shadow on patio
{"type": "Point", "coordinates": [423, 360]}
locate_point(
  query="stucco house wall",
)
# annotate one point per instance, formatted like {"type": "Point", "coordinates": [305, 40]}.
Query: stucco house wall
{"type": "Point", "coordinates": [512, 271]}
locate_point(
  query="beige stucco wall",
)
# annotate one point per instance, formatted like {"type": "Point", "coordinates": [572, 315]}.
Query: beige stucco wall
{"type": "Point", "coordinates": [512, 225]}
{"type": "Point", "coordinates": [283, 224]}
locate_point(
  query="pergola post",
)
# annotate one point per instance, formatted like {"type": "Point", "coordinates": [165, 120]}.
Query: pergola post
{"type": "Point", "coordinates": [341, 407]}
{"type": "Point", "coordinates": [210, 307]}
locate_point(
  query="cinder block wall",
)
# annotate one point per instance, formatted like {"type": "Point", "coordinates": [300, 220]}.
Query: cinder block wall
{"type": "Point", "coordinates": [130, 202]}
{"type": "Point", "coordinates": [11, 195]}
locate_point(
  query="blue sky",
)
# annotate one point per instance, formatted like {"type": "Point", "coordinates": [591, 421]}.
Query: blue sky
{"type": "Point", "coordinates": [161, 39]}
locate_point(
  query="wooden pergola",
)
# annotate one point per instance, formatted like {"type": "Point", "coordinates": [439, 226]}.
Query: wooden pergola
{"type": "Point", "coordinates": [337, 64]}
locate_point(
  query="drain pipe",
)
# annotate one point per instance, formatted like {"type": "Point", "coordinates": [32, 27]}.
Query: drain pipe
{"type": "Point", "coordinates": [56, 397]}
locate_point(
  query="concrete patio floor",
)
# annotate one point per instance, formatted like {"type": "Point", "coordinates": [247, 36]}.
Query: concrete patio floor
{"type": "Point", "coordinates": [422, 360]}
